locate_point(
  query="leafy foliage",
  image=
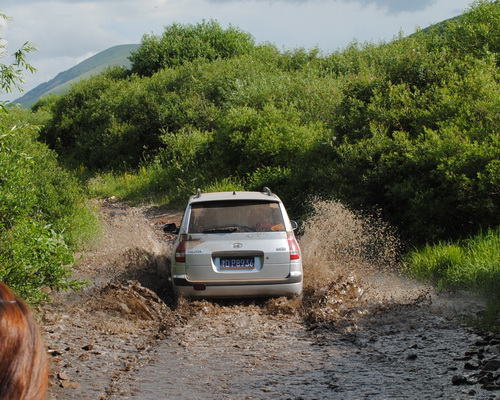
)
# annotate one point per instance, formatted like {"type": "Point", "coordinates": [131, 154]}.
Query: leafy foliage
{"type": "Point", "coordinates": [40, 204]}
{"type": "Point", "coordinates": [180, 44]}
{"type": "Point", "coordinates": [43, 217]}
{"type": "Point", "coordinates": [11, 75]}
{"type": "Point", "coordinates": [471, 264]}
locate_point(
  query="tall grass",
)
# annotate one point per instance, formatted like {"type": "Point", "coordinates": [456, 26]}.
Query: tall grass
{"type": "Point", "coordinates": [471, 264]}
{"type": "Point", "coordinates": [149, 185]}
{"type": "Point", "coordinates": [468, 264]}
{"type": "Point", "coordinates": [135, 187]}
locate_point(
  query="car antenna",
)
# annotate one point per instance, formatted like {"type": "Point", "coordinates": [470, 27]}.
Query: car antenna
{"type": "Point", "coordinates": [198, 193]}
{"type": "Point", "coordinates": [268, 191]}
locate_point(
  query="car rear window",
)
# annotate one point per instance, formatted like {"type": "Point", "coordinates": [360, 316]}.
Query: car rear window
{"type": "Point", "coordinates": [235, 216]}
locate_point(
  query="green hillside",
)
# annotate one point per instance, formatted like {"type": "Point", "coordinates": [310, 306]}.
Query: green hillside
{"type": "Point", "coordinates": [114, 56]}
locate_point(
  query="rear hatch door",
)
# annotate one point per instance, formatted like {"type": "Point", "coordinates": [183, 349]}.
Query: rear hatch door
{"type": "Point", "coordinates": [237, 256]}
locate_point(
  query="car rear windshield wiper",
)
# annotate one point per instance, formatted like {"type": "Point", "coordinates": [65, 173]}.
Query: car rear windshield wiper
{"type": "Point", "coordinates": [228, 229]}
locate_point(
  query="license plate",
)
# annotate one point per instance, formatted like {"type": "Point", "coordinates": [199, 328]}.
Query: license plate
{"type": "Point", "coordinates": [237, 263]}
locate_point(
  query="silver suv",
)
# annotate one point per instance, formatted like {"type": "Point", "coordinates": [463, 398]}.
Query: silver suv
{"type": "Point", "coordinates": [235, 244]}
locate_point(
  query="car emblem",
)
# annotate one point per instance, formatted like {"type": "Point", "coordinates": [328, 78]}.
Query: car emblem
{"type": "Point", "coordinates": [237, 245]}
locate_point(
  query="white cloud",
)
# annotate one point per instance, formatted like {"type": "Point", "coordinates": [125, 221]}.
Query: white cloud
{"type": "Point", "coordinates": [67, 31]}
{"type": "Point", "coordinates": [392, 6]}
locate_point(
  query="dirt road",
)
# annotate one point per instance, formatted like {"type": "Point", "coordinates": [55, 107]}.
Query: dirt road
{"type": "Point", "coordinates": [354, 335]}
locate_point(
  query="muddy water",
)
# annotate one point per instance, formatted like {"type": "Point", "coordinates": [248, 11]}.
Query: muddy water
{"type": "Point", "coordinates": [242, 352]}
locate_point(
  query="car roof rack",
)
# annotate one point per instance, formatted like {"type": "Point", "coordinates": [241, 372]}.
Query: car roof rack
{"type": "Point", "coordinates": [266, 191]}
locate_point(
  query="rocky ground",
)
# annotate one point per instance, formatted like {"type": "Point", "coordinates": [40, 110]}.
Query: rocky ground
{"type": "Point", "coordinates": [124, 336]}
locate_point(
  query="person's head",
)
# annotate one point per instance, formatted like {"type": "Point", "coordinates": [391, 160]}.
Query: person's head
{"type": "Point", "coordinates": [23, 359]}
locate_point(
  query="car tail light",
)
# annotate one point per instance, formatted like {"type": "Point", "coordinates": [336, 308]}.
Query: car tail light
{"type": "Point", "coordinates": [180, 251]}
{"type": "Point", "coordinates": [293, 246]}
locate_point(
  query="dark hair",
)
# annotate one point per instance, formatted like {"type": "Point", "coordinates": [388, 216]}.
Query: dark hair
{"type": "Point", "coordinates": [23, 358]}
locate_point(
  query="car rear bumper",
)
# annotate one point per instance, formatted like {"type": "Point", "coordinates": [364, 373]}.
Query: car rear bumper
{"type": "Point", "coordinates": [289, 287]}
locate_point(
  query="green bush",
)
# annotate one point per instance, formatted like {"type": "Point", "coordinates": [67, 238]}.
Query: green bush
{"type": "Point", "coordinates": [181, 44]}
{"type": "Point", "coordinates": [182, 163]}
{"type": "Point", "coordinates": [43, 215]}
{"type": "Point", "coordinates": [33, 257]}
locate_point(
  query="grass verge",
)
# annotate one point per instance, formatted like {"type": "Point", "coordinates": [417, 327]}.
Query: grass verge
{"type": "Point", "coordinates": [471, 264]}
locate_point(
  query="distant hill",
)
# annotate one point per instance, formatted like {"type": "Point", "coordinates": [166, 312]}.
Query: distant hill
{"type": "Point", "coordinates": [117, 55]}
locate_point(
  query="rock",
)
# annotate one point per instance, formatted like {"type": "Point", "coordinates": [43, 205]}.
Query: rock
{"type": "Point", "coordinates": [492, 386]}
{"type": "Point", "coordinates": [411, 356]}
{"type": "Point", "coordinates": [62, 376]}
{"type": "Point", "coordinates": [69, 385]}
{"type": "Point", "coordinates": [88, 347]}
{"type": "Point", "coordinates": [484, 379]}
{"type": "Point", "coordinates": [492, 365]}
{"type": "Point", "coordinates": [493, 349]}
{"type": "Point", "coordinates": [471, 365]}
{"type": "Point", "coordinates": [459, 380]}
{"type": "Point", "coordinates": [464, 358]}
{"type": "Point", "coordinates": [46, 290]}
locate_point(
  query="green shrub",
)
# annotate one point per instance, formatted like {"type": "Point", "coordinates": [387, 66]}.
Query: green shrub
{"type": "Point", "coordinates": [278, 178]}
{"type": "Point", "coordinates": [43, 215]}
{"type": "Point", "coordinates": [33, 257]}
{"type": "Point", "coordinates": [181, 44]}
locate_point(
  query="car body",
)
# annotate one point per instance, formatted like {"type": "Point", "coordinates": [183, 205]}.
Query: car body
{"type": "Point", "coordinates": [235, 244]}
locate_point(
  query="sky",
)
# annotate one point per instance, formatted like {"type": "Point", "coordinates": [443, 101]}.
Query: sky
{"type": "Point", "coordinates": [66, 32]}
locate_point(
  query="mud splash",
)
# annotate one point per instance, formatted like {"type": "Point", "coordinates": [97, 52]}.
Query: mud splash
{"type": "Point", "coordinates": [350, 266]}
